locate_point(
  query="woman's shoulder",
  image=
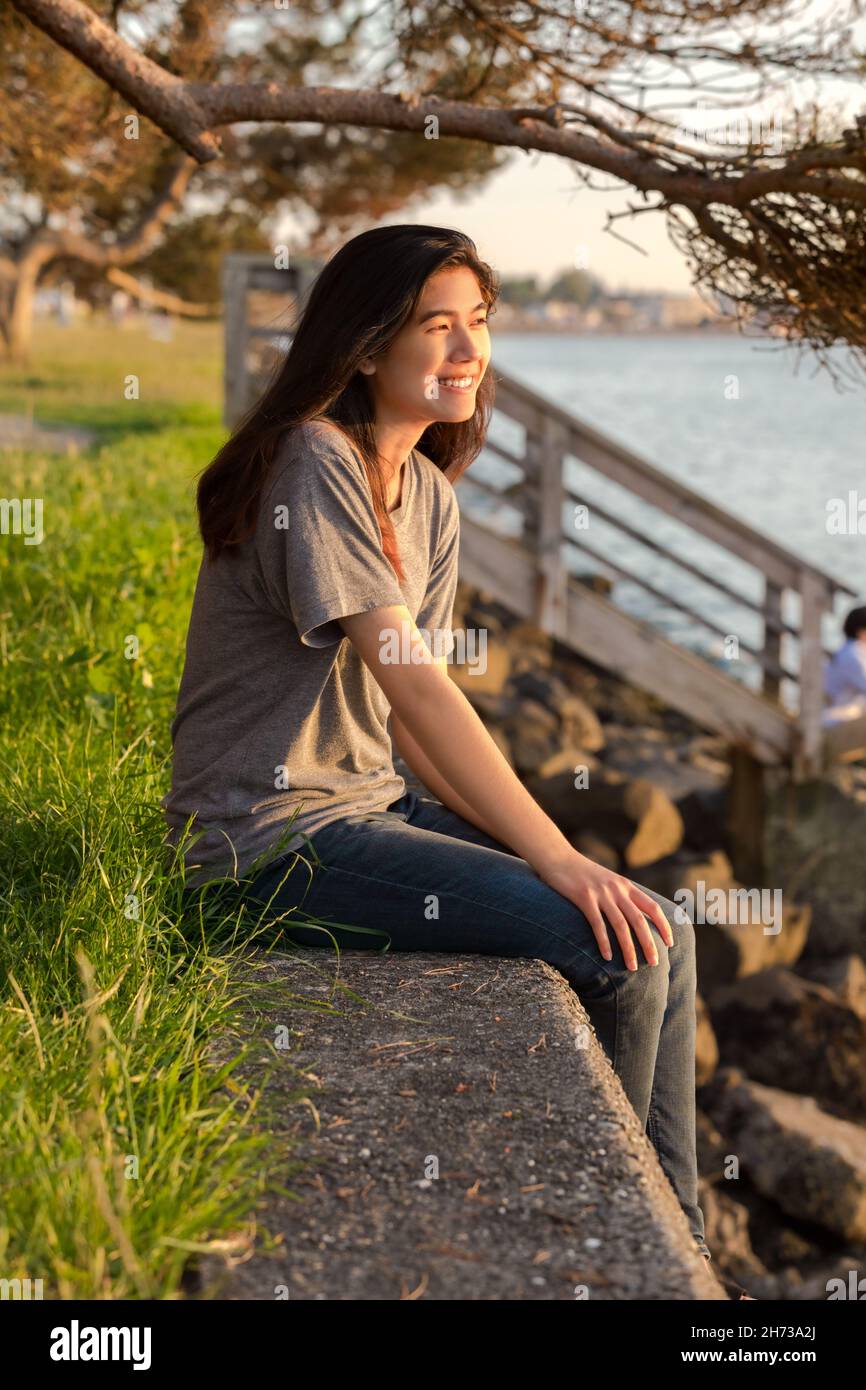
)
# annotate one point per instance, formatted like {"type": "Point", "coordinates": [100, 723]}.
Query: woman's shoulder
{"type": "Point", "coordinates": [311, 437]}
{"type": "Point", "coordinates": [310, 449]}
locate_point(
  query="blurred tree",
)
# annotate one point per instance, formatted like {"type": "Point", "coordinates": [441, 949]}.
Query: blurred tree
{"type": "Point", "coordinates": [575, 287]}
{"type": "Point", "coordinates": [521, 290]}
{"type": "Point", "coordinates": [89, 188]}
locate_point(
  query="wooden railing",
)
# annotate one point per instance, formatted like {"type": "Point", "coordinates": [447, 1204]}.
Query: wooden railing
{"type": "Point", "coordinates": [535, 571]}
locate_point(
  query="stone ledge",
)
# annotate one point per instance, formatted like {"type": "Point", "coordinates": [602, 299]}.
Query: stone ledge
{"type": "Point", "coordinates": [546, 1187]}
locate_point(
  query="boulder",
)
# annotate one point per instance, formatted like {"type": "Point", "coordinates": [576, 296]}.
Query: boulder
{"type": "Point", "coordinates": [657, 822]}
{"type": "Point", "coordinates": [580, 724]}
{"type": "Point", "coordinates": [736, 926]}
{"type": "Point", "coordinates": [796, 1035]}
{"type": "Point", "coordinates": [481, 609]}
{"type": "Point", "coordinates": [533, 733]}
{"type": "Point", "coordinates": [597, 849]}
{"type": "Point", "coordinates": [811, 1164]}
{"type": "Point", "coordinates": [544, 686]}
{"type": "Point", "coordinates": [815, 838]}
{"type": "Point", "coordinates": [531, 649]}
{"type": "Point", "coordinates": [844, 975]}
{"type": "Point", "coordinates": [706, 1046]}
{"type": "Point", "coordinates": [726, 1229]}
{"type": "Point", "coordinates": [710, 1148]}
{"type": "Point", "coordinates": [473, 680]}
{"type": "Point", "coordinates": [704, 810]}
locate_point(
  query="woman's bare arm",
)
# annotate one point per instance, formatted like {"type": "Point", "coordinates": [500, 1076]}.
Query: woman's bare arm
{"type": "Point", "coordinates": [417, 760]}
{"type": "Point", "coordinates": [446, 728]}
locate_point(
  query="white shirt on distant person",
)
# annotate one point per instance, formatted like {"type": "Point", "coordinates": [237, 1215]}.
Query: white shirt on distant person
{"type": "Point", "coordinates": [845, 683]}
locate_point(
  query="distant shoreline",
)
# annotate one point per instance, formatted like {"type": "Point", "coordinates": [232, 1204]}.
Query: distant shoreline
{"type": "Point", "coordinates": [690, 331]}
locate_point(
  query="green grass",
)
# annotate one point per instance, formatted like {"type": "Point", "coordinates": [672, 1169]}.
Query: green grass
{"type": "Point", "coordinates": [125, 1145]}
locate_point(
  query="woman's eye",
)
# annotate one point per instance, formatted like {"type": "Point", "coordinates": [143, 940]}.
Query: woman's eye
{"type": "Point", "coordinates": [435, 329]}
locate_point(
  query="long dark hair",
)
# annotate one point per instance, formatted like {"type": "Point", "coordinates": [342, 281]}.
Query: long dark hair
{"type": "Point", "coordinates": [358, 303]}
{"type": "Point", "coordinates": [855, 622]}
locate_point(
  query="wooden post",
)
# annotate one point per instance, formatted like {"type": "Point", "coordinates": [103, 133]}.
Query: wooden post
{"type": "Point", "coordinates": [235, 330]}
{"type": "Point", "coordinates": [244, 271]}
{"type": "Point", "coordinates": [746, 821]}
{"type": "Point", "coordinates": [551, 574]}
{"type": "Point", "coordinates": [772, 636]}
{"type": "Point", "coordinates": [809, 756]}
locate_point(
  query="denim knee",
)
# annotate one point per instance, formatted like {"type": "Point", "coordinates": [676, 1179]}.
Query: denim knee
{"type": "Point", "coordinates": [682, 926]}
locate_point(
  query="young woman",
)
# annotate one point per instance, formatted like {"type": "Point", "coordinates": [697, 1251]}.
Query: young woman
{"type": "Point", "coordinates": [331, 529]}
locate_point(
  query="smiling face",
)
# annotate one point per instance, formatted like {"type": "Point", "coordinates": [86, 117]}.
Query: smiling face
{"type": "Point", "coordinates": [433, 367]}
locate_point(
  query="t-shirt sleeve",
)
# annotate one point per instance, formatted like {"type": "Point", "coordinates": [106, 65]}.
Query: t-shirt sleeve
{"type": "Point", "coordinates": [437, 607]}
{"type": "Point", "coordinates": [855, 665]}
{"type": "Point", "coordinates": [318, 539]}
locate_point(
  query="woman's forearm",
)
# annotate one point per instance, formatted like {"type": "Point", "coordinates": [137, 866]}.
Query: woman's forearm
{"type": "Point", "coordinates": [446, 728]}
{"type": "Point", "coordinates": [417, 760]}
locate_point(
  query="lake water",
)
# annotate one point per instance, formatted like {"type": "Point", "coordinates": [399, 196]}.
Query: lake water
{"type": "Point", "coordinates": [734, 419]}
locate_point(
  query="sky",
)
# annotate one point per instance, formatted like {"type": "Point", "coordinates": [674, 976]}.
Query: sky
{"type": "Point", "coordinates": [534, 217]}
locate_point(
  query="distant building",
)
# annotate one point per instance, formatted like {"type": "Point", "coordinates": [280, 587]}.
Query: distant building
{"type": "Point", "coordinates": [563, 313]}
{"type": "Point", "coordinates": [684, 311]}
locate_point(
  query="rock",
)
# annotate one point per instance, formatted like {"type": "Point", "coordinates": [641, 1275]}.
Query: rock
{"type": "Point", "coordinates": [596, 849]}
{"type": "Point", "coordinates": [492, 708]}
{"type": "Point", "coordinates": [658, 823]}
{"type": "Point", "coordinates": [726, 1229]}
{"type": "Point", "coordinates": [710, 753]}
{"type": "Point", "coordinates": [839, 1277]}
{"type": "Point", "coordinates": [796, 1035]}
{"type": "Point", "coordinates": [703, 810]}
{"type": "Point", "coordinates": [815, 839]}
{"type": "Point", "coordinates": [483, 611]}
{"type": "Point", "coordinates": [706, 1046]}
{"type": "Point", "coordinates": [811, 1164]}
{"type": "Point", "coordinates": [844, 975]}
{"type": "Point", "coordinates": [625, 704]}
{"type": "Point", "coordinates": [580, 724]}
{"type": "Point", "coordinates": [533, 733]}
{"type": "Point", "coordinates": [531, 649]}
{"type": "Point", "coordinates": [530, 748]}
{"type": "Point", "coordinates": [569, 759]}
{"type": "Point", "coordinates": [473, 680]}
{"type": "Point", "coordinates": [577, 720]}
{"type": "Point", "coordinates": [737, 944]}
{"type": "Point", "coordinates": [710, 1148]}
{"type": "Point", "coordinates": [532, 713]}
{"type": "Point", "coordinates": [544, 686]}
{"type": "Point", "coordinates": [596, 806]}
{"type": "Point", "coordinates": [650, 753]}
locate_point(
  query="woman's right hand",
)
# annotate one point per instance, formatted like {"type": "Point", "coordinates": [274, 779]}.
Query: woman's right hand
{"type": "Point", "coordinates": [596, 891]}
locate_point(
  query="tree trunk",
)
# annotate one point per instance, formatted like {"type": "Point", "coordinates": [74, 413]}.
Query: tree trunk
{"type": "Point", "coordinates": [17, 326]}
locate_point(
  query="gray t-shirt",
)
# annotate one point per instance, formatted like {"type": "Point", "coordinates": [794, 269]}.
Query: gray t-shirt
{"type": "Point", "coordinates": [276, 710]}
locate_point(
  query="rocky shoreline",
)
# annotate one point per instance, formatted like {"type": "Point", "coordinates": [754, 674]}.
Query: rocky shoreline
{"type": "Point", "coordinates": [781, 1051]}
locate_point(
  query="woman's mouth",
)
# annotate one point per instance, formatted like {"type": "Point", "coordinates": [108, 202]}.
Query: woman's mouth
{"type": "Point", "coordinates": [457, 383]}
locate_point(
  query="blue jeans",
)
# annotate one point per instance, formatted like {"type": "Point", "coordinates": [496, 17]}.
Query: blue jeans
{"type": "Point", "coordinates": [377, 870]}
